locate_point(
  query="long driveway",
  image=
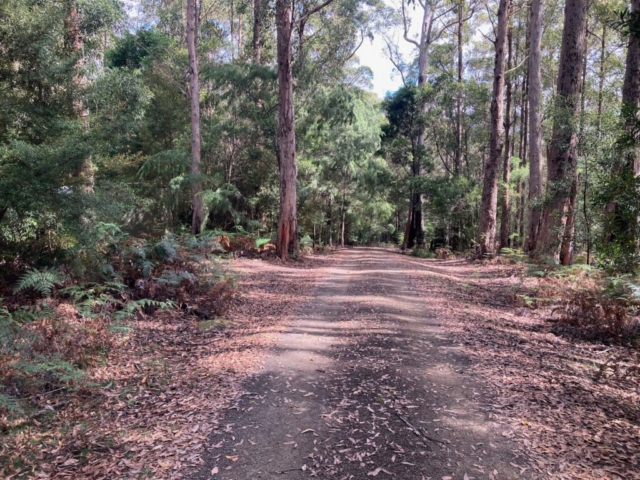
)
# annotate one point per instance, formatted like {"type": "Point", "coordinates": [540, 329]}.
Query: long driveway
{"type": "Point", "coordinates": [362, 385]}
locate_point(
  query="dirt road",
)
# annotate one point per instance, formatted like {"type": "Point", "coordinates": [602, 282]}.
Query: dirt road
{"type": "Point", "coordinates": [363, 384]}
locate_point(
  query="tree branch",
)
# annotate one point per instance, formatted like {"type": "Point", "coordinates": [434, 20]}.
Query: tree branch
{"type": "Point", "coordinates": [386, 40]}
{"type": "Point", "coordinates": [356, 49]}
{"type": "Point", "coordinates": [406, 28]}
{"type": "Point", "coordinates": [442, 30]}
{"type": "Point", "coordinates": [314, 10]}
{"type": "Point", "coordinates": [493, 25]}
{"type": "Point", "coordinates": [518, 66]}
{"type": "Point", "coordinates": [444, 13]}
{"type": "Point", "coordinates": [492, 40]}
{"type": "Point", "coordinates": [446, 166]}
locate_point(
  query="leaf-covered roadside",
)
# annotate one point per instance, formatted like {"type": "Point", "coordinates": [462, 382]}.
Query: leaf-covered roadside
{"type": "Point", "coordinates": [574, 404]}
{"type": "Point", "coordinates": [157, 396]}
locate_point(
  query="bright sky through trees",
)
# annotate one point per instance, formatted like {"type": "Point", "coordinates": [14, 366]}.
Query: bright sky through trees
{"type": "Point", "coordinates": [372, 53]}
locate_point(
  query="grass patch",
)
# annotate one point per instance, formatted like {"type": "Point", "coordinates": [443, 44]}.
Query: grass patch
{"type": "Point", "coordinates": [219, 323]}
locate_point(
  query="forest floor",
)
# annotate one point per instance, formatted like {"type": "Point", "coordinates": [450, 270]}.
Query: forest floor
{"type": "Point", "coordinates": [357, 364]}
{"type": "Point", "coordinates": [404, 368]}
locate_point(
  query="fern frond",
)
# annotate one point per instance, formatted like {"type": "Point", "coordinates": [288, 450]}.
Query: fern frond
{"type": "Point", "coordinates": [165, 164]}
{"type": "Point", "coordinates": [165, 250]}
{"type": "Point", "coordinates": [7, 402]}
{"type": "Point", "coordinates": [131, 308]}
{"type": "Point", "coordinates": [42, 281]}
{"type": "Point", "coordinates": [146, 267]}
{"type": "Point", "coordinates": [118, 287]}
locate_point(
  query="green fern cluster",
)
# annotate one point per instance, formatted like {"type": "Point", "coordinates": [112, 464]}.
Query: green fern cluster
{"type": "Point", "coordinates": [42, 281]}
{"type": "Point", "coordinates": [132, 307]}
{"type": "Point", "coordinates": [12, 404]}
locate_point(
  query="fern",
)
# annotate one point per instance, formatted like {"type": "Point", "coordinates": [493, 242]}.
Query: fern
{"type": "Point", "coordinates": [61, 370]}
{"type": "Point", "coordinates": [166, 164]}
{"type": "Point", "coordinates": [134, 306]}
{"type": "Point", "coordinates": [146, 267]}
{"type": "Point", "coordinates": [174, 278]}
{"type": "Point", "coordinates": [42, 281]}
{"type": "Point", "coordinates": [7, 402]}
{"type": "Point", "coordinates": [115, 286]}
{"type": "Point", "coordinates": [165, 250]}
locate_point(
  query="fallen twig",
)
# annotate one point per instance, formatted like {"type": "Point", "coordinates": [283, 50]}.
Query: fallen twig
{"type": "Point", "coordinates": [417, 431]}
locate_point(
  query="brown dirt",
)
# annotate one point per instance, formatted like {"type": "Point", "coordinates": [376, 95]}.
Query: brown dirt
{"type": "Point", "coordinates": [364, 383]}
{"type": "Point", "coordinates": [365, 363]}
{"type": "Point", "coordinates": [163, 388]}
{"type": "Point", "coordinates": [573, 417]}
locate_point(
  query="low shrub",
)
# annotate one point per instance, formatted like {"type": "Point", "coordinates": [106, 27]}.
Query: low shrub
{"type": "Point", "coordinates": [54, 325]}
{"type": "Point", "coordinates": [422, 252]}
{"type": "Point", "coordinates": [605, 311]}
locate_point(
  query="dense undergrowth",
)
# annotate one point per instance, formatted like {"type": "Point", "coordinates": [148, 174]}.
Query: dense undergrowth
{"type": "Point", "coordinates": [56, 324]}
{"type": "Point", "coordinates": [587, 302]}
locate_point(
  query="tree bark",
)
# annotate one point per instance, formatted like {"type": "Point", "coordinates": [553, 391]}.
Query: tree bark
{"type": "Point", "coordinates": [522, 153]}
{"type": "Point", "coordinates": [535, 125]}
{"type": "Point", "coordinates": [506, 166]}
{"type": "Point", "coordinates": [522, 140]}
{"type": "Point", "coordinates": [585, 175]}
{"type": "Point", "coordinates": [287, 239]}
{"type": "Point", "coordinates": [489, 201]}
{"type": "Point", "coordinates": [287, 235]}
{"type": "Point", "coordinates": [407, 228]}
{"type": "Point", "coordinates": [257, 31]}
{"type": "Point", "coordinates": [74, 44]}
{"type": "Point", "coordinates": [459, 147]}
{"type": "Point", "coordinates": [631, 86]}
{"type": "Point", "coordinates": [330, 219]}
{"type": "Point", "coordinates": [555, 237]}
{"type": "Point", "coordinates": [194, 103]}
{"type": "Point", "coordinates": [416, 228]}
{"type": "Point", "coordinates": [603, 52]}
{"type": "Point", "coordinates": [343, 217]}
{"type": "Point", "coordinates": [623, 225]}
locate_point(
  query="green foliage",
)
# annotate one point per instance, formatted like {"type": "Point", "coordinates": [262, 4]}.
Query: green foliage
{"type": "Point", "coordinates": [133, 51]}
{"type": "Point", "coordinates": [44, 347]}
{"type": "Point", "coordinates": [515, 255]}
{"type": "Point", "coordinates": [119, 100]}
{"type": "Point", "coordinates": [22, 361]}
{"type": "Point", "coordinates": [422, 252]}
{"type": "Point", "coordinates": [262, 241]}
{"type": "Point", "coordinates": [11, 404]}
{"type": "Point", "coordinates": [42, 281]}
{"type": "Point", "coordinates": [606, 311]}
{"type": "Point", "coordinates": [132, 307]}
{"type": "Point", "coordinates": [306, 241]}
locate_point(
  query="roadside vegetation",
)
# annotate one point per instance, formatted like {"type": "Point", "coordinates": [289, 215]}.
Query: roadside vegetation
{"type": "Point", "coordinates": [145, 146]}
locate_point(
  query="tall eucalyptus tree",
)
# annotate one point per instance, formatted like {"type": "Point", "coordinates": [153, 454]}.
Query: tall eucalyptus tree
{"type": "Point", "coordinates": [287, 235]}
{"type": "Point", "coordinates": [489, 202]}
{"type": "Point", "coordinates": [194, 106]}
{"type": "Point", "coordinates": [436, 19]}
{"type": "Point", "coordinates": [555, 236]}
{"type": "Point", "coordinates": [535, 125]}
